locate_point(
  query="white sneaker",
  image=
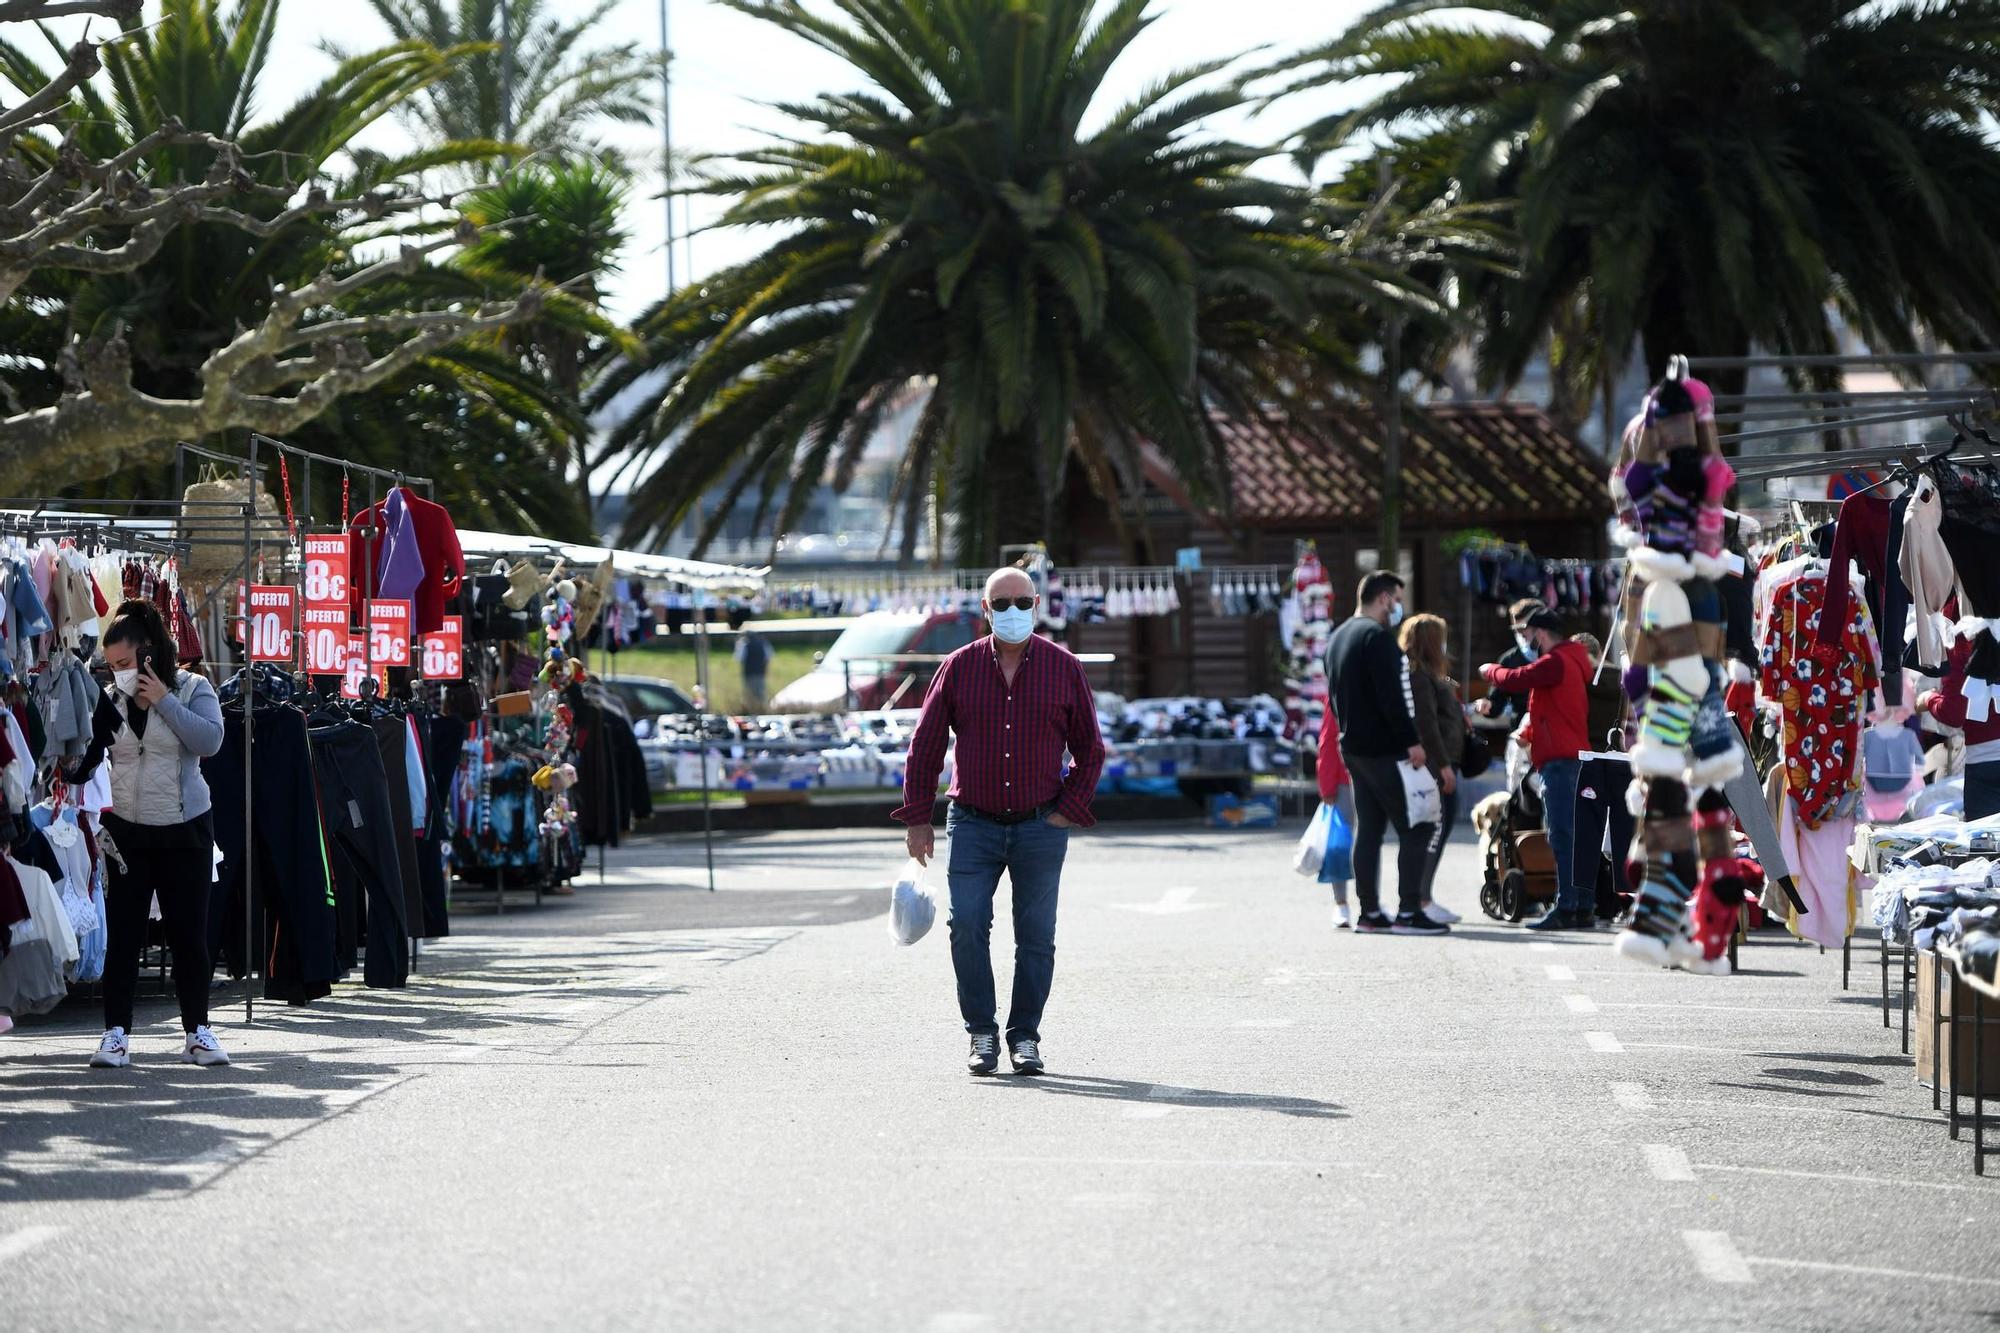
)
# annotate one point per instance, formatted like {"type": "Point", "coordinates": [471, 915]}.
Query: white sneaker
{"type": "Point", "coordinates": [1439, 912]}
{"type": "Point", "coordinates": [1342, 918]}
{"type": "Point", "coordinates": [113, 1052]}
{"type": "Point", "coordinates": [203, 1049]}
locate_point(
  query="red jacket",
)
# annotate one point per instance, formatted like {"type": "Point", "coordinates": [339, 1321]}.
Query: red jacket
{"type": "Point", "coordinates": [1558, 705]}
{"type": "Point", "coordinates": [1332, 769]}
{"type": "Point", "coordinates": [437, 541]}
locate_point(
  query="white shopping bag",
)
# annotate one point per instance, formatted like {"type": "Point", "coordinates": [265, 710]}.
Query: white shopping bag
{"type": "Point", "coordinates": [1420, 790]}
{"type": "Point", "coordinates": [912, 908]}
{"type": "Point", "coordinates": [1311, 854]}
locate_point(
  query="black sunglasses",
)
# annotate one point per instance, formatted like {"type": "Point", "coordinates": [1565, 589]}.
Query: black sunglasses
{"type": "Point", "coordinates": [1018, 603]}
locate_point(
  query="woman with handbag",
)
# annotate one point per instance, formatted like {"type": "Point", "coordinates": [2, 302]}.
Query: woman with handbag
{"type": "Point", "coordinates": [1336, 789]}
{"type": "Point", "coordinates": [1440, 729]}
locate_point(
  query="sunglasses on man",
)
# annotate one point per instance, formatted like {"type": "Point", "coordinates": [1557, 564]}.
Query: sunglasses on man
{"type": "Point", "coordinates": [1016, 603]}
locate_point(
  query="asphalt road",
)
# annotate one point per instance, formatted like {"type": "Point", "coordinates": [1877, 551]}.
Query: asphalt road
{"type": "Point", "coordinates": [649, 1107]}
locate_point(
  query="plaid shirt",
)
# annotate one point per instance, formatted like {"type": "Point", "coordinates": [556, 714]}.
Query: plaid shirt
{"type": "Point", "coordinates": [1011, 739]}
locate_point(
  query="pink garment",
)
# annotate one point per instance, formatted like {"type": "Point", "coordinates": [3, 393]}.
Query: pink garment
{"type": "Point", "coordinates": [1823, 874]}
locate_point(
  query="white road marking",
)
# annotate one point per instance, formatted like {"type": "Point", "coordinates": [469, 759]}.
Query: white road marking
{"type": "Point", "coordinates": [1731, 1008]}
{"type": "Point", "coordinates": [1666, 1162]}
{"type": "Point", "coordinates": [1716, 1256]}
{"type": "Point", "coordinates": [1841, 1177]}
{"type": "Point", "coordinates": [1148, 1112]}
{"type": "Point", "coordinates": [1265, 1022]}
{"type": "Point", "coordinates": [1284, 976]}
{"type": "Point", "coordinates": [1172, 903]}
{"type": "Point", "coordinates": [1557, 972]}
{"type": "Point", "coordinates": [1603, 1043]}
{"type": "Point", "coordinates": [1632, 1096]}
{"type": "Point", "coordinates": [1858, 1270]}
{"type": "Point", "coordinates": [1111, 1199]}
{"type": "Point", "coordinates": [847, 900]}
{"type": "Point", "coordinates": [1580, 1004]}
{"type": "Point", "coordinates": [957, 1321]}
{"type": "Point", "coordinates": [17, 1243]}
{"type": "Point", "coordinates": [1542, 946]}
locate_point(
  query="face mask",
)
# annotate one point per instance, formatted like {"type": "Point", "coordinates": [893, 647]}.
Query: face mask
{"type": "Point", "coordinates": [1013, 625]}
{"type": "Point", "coordinates": [127, 682]}
{"type": "Point", "coordinates": [1395, 615]}
{"type": "Point", "coordinates": [1527, 646]}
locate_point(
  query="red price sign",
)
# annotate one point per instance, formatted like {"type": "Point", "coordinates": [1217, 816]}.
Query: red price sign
{"type": "Point", "coordinates": [325, 632]}
{"type": "Point", "coordinates": [272, 612]}
{"type": "Point", "coordinates": [326, 569]}
{"type": "Point", "coordinates": [388, 634]}
{"type": "Point", "coordinates": [356, 668]}
{"type": "Point", "coordinates": [444, 651]}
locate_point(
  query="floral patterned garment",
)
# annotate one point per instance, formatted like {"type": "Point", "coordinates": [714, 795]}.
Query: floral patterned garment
{"type": "Point", "coordinates": [1822, 697]}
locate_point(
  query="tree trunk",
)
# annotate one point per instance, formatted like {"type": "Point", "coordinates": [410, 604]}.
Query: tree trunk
{"type": "Point", "coordinates": [1018, 502]}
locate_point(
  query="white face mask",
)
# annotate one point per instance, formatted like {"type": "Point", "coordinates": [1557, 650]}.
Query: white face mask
{"type": "Point", "coordinates": [1013, 625]}
{"type": "Point", "coordinates": [1527, 646]}
{"type": "Point", "coordinates": [1395, 615]}
{"type": "Point", "coordinates": [127, 682]}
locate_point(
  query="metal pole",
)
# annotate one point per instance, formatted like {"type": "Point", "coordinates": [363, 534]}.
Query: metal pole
{"type": "Point", "coordinates": [249, 761]}
{"type": "Point", "coordinates": [1392, 414]}
{"type": "Point", "coordinates": [701, 675]}
{"type": "Point", "coordinates": [667, 145]}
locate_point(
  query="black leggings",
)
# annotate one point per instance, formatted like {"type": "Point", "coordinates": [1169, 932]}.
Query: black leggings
{"type": "Point", "coordinates": [181, 877]}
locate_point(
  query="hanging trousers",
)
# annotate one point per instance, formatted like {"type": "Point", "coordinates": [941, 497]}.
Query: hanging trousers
{"type": "Point", "coordinates": [392, 743]}
{"type": "Point", "coordinates": [361, 846]}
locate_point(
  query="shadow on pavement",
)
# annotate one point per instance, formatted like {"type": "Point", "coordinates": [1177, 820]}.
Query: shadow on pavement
{"type": "Point", "coordinates": [1163, 1094]}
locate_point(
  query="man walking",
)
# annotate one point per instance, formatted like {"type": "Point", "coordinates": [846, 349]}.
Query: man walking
{"type": "Point", "coordinates": [1559, 717]}
{"type": "Point", "coordinates": [753, 660]}
{"type": "Point", "coordinates": [1015, 702]}
{"type": "Point", "coordinates": [1368, 676]}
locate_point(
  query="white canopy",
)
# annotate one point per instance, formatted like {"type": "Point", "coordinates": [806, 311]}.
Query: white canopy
{"type": "Point", "coordinates": [703, 574]}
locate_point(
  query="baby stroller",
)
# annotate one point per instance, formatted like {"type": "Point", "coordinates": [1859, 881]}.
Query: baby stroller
{"type": "Point", "coordinates": [1520, 865]}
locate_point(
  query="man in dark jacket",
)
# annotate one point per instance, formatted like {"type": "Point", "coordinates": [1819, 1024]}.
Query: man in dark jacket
{"type": "Point", "coordinates": [1368, 676]}
{"type": "Point", "coordinates": [1513, 704]}
{"type": "Point", "coordinates": [1559, 717]}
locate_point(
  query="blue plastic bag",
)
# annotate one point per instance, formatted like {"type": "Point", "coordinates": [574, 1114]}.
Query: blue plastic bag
{"type": "Point", "coordinates": [1338, 863]}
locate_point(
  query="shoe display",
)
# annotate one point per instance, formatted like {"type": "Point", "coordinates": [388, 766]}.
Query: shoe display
{"type": "Point", "coordinates": [985, 1056]}
{"type": "Point", "coordinates": [113, 1052]}
{"type": "Point", "coordinates": [203, 1049]}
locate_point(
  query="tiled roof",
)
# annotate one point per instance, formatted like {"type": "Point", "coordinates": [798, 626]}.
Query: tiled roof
{"type": "Point", "coordinates": [1463, 464]}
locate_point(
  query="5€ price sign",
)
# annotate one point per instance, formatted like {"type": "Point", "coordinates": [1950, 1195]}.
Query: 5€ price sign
{"type": "Point", "coordinates": [444, 651]}
{"type": "Point", "coordinates": [388, 633]}
{"type": "Point", "coordinates": [272, 610]}
{"type": "Point", "coordinates": [326, 569]}
{"type": "Point", "coordinates": [326, 639]}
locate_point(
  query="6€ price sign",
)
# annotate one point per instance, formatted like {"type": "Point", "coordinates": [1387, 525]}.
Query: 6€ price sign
{"type": "Point", "coordinates": [272, 609]}
{"type": "Point", "coordinates": [326, 569]}
{"type": "Point", "coordinates": [388, 633]}
{"type": "Point", "coordinates": [444, 651]}
{"type": "Point", "coordinates": [325, 630]}
{"type": "Point", "coordinates": [356, 669]}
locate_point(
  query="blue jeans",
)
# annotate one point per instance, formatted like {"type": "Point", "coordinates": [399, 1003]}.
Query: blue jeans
{"type": "Point", "coordinates": [1032, 855]}
{"type": "Point", "coordinates": [1559, 780]}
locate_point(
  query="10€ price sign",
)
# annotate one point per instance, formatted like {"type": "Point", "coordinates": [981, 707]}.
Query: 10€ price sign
{"type": "Point", "coordinates": [388, 633]}
{"type": "Point", "coordinates": [444, 651]}
{"type": "Point", "coordinates": [326, 569]}
{"type": "Point", "coordinates": [325, 630]}
{"type": "Point", "coordinates": [271, 618]}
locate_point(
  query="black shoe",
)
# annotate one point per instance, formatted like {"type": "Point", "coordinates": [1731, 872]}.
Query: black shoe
{"type": "Point", "coordinates": [985, 1057]}
{"type": "Point", "coordinates": [1556, 919]}
{"type": "Point", "coordinates": [1373, 923]}
{"type": "Point", "coordinates": [1416, 923]}
{"type": "Point", "coordinates": [1026, 1056]}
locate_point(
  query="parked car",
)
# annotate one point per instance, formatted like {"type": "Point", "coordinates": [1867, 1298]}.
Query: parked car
{"type": "Point", "coordinates": [859, 670]}
{"type": "Point", "coordinates": [648, 699]}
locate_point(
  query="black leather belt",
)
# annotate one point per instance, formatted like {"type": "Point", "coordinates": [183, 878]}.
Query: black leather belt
{"type": "Point", "coordinates": [1009, 816]}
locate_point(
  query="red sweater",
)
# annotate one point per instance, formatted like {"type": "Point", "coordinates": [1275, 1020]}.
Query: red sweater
{"type": "Point", "coordinates": [1332, 769]}
{"type": "Point", "coordinates": [1558, 705]}
{"type": "Point", "coordinates": [437, 541]}
{"type": "Point", "coordinates": [1947, 705]}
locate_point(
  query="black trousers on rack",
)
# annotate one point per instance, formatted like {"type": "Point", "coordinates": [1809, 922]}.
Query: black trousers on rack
{"type": "Point", "coordinates": [291, 900]}
{"type": "Point", "coordinates": [360, 845]}
{"type": "Point", "coordinates": [444, 741]}
{"type": "Point", "coordinates": [392, 742]}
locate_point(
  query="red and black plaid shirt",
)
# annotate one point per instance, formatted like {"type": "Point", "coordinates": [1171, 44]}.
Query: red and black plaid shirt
{"type": "Point", "coordinates": [1011, 739]}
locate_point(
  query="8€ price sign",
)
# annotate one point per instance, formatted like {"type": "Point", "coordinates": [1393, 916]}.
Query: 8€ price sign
{"type": "Point", "coordinates": [272, 611]}
{"type": "Point", "coordinates": [444, 651]}
{"type": "Point", "coordinates": [326, 569]}
{"type": "Point", "coordinates": [388, 633]}
{"type": "Point", "coordinates": [326, 639]}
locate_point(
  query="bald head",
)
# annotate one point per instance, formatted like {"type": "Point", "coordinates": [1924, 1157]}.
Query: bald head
{"type": "Point", "coordinates": [1008, 583]}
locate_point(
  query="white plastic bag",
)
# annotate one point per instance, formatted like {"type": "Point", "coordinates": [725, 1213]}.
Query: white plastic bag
{"type": "Point", "coordinates": [1420, 791]}
{"type": "Point", "coordinates": [1311, 854]}
{"type": "Point", "coordinates": [912, 907]}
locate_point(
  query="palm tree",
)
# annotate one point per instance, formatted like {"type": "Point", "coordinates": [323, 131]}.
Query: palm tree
{"type": "Point", "coordinates": [1699, 177]}
{"type": "Point", "coordinates": [1053, 277]}
{"type": "Point", "coordinates": [562, 86]}
{"type": "Point", "coordinates": [496, 433]}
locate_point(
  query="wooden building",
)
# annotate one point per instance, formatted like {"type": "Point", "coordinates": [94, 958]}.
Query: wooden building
{"type": "Point", "coordinates": [1500, 468]}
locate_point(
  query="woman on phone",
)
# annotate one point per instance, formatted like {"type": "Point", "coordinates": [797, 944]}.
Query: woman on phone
{"type": "Point", "coordinates": [159, 823]}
